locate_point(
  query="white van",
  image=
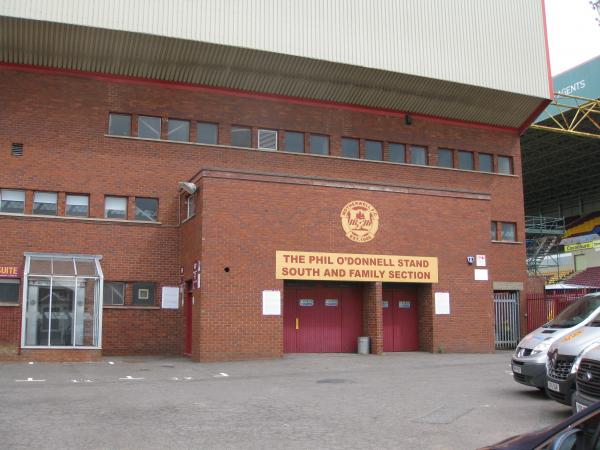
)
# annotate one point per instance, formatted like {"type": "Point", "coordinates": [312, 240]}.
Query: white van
{"type": "Point", "coordinates": [529, 361]}
{"type": "Point", "coordinates": [587, 380]}
{"type": "Point", "coordinates": [564, 357]}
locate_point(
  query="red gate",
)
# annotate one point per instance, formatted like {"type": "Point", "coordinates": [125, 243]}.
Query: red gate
{"type": "Point", "coordinates": [542, 308]}
{"type": "Point", "coordinates": [400, 319]}
{"type": "Point", "coordinates": [318, 319]}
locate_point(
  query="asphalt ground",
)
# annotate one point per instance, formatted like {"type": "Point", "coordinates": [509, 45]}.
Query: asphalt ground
{"type": "Point", "coordinates": [403, 400]}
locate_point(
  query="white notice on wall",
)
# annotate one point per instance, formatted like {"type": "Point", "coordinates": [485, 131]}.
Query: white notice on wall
{"type": "Point", "coordinates": [271, 301]}
{"type": "Point", "coordinates": [442, 303]}
{"type": "Point", "coordinates": [480, 260]}
{"type": "Point", "coordinates": [170, 297]}
{"type": "Point", "coordinates": [481, 274]}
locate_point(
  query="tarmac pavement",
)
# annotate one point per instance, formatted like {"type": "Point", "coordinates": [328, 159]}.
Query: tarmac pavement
{"type": "Point", "coordinates": [402, 400]}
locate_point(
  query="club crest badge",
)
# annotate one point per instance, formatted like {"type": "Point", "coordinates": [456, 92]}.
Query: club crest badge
{"type": "Point", "coordinates": [360, 221]}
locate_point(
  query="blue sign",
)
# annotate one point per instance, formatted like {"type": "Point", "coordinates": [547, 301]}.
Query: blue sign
{"type": "Point", "coordinates": [580, 81]}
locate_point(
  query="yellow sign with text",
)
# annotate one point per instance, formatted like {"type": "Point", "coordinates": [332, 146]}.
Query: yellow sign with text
{"type": "Point", "coordinates": [350, 267]}
{"type": "Point", "coordinates": [582, 246]}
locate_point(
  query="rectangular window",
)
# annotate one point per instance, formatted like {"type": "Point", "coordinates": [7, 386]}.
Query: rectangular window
{"type": "Point", "coordinates": [241, 136]}
{"type": "Point", "coordinates": [485, 162]}
{"type": "Point", "coordinates": [115, 207]}
{"type": "Point", "coordinates": [207, 133]}
{"type": "Point", "coordinates": [77, 205]}
{"type": "Point", "coordinates": [445, 158]}
{"type": "Point", "coordinates": [494, 231]}
{"type": "Point", "coordinates": [191, 205]}
{"type": "Point", "coordinates": [374, 150]}
{"type": "Point", "coordinates": [143, 294]}
{"type": "Point", "coordinates": [397, 153]}
{"type": "Point", "coordinates": [9, 291]}
{"type": "Point", "coordinates": [267, 139]}
{"type": "Point", "coordinates": [418, 155]}
{"type": "Point", "coordinates": [44, 203]}
{"type": "Point", "coordinates": [146, 209]}
{"type": "Point", "coordinates": [505, 165]}
{"type": "Point", "coordinates": [119, 124]}
{"type": "Point", "coordinates": [350, 148]}
{"type": "Point", "coordinates": [12, 201]}
{"type": "Point", "coordinates": [114, 293]}
{"type": "Point", "coordinates": [319, 144]}
{"type": "Point", "coordinates": [149, 127]}
{"type": "Point", "coordinates": [179, 130]}
{"type": "Point", "coordinates": [465, 160]}
{"type": "Point", "coordinates": [509, 231]}
{"type": "Point", "coordinates": [293, 142]}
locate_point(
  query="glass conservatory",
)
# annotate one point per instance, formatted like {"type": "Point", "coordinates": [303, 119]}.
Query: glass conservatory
{"type": "Point", "coordinates": [62, 301]}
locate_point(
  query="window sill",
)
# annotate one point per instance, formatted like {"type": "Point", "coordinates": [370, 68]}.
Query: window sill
{"type": "Point", "coordinates": [82, 219]}
{"type": "Point", "coordinates": [59, 347]}
{"type": "Point", "coordinates": [187, 219]}
{"type": "Point", "coordinates": [508, 242]}
{"type": "Point", "coordinates": [129, 307]}
{"type": "Point", "coordinates": [9, 304]}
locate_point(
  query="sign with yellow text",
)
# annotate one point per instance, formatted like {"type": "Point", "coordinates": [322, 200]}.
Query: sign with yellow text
{"type": "Point", "coordinates": [582, 246]}
{"type": "Point", "coordinates": [350, 267]}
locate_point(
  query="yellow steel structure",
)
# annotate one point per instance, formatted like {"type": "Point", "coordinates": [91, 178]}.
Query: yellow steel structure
{"type": "Point", "coordinates": [578, 116]}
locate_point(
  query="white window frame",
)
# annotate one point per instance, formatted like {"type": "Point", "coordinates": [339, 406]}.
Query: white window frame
{"type": "Point", "coordinates": [14, 195]}
{"type": "Point", "coordinates": [109, 199]}
{"type": "Point", "coordinates": [265, 137]}
{"type": "Point", "coordinates": [77, 200]}
{"type": "Point", "coordinates": [50, 198]}
{"type": "Point", "coordinates": [190, 205]}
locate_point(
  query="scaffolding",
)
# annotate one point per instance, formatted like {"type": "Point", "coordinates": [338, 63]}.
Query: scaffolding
{"type": "Point", "coordinates": [542, 236]}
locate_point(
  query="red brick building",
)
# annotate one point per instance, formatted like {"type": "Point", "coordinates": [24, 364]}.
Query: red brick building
{"type": "Point", "coordinates": [148, 210]}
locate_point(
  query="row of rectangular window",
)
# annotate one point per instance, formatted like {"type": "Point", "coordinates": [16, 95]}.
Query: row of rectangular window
{"type": "Point", "coordinates": [293, 141]}
{"type": "Point", "coordinates": [465, 160]}
{"type": "Point", "coordinates": [149, 127]}
{"type": "Point", "coordinates": [77, 205]}
{"type": "Point", "coordinates": [503, 231]}
{"type": "Point", "coordinates": [143, 294]}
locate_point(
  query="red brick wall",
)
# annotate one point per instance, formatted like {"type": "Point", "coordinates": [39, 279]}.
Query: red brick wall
{"type": "Point", "coordinates": [277, 216]}
{"type": "Point", "coordinates": [62, 122]}
{"type": "Point", "coordinates": [372, 316]}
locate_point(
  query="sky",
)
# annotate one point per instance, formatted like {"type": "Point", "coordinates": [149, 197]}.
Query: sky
{"type": "Point", "coordinates": [573, 33]}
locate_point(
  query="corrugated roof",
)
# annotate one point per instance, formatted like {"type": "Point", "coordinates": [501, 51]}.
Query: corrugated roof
{"type": "Point", "coordinates": [117, 45]}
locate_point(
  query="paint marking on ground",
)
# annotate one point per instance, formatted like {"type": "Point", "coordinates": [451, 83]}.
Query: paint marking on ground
{"type": "Point", "coordinates": [174, 379]}
{"type": "Point", "coordinates": [30, 363]}
{"type": "Point", "coordinates": [187, 378]}
{"type": "Point", "coordinates": [28, 379]}
{"type": "Point", "coordinates": [111, 363]}
{"type": "Point", "coordinates": [220, 375]}
{"type": "Point", "coordinates": [129, 377]}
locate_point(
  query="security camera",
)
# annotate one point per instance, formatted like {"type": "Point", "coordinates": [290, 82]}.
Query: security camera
{"type": "Point", "coordinates": [190, 188]}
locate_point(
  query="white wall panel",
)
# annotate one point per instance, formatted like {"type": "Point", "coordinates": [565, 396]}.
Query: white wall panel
{"type": "Point", "coordinates": [493, 44]}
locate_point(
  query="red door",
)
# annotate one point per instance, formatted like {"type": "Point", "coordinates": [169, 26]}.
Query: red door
{"type": "Point", "coordinates": [321, 319]}
{"type": "Point", "coordinates": [187, 312]}
{"type": "Point", "coordinates": [400, 319]}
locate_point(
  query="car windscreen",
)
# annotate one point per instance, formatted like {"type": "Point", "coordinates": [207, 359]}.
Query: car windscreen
{"type": "Point", "coordinates": [574, 314]}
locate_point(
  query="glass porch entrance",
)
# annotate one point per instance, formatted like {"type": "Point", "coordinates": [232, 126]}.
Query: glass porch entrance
{"type": "Point", "coordinates": [62, 301]}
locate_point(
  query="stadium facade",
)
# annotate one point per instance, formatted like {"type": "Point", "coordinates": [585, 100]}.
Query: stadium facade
{"type": "Point", "coordinates": [239, 180]}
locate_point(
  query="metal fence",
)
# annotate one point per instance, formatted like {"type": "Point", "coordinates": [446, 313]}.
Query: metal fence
{"type": "Point", "coordinates": [506, 314]}
{"type": "Point", "coordinates": [542, 308]}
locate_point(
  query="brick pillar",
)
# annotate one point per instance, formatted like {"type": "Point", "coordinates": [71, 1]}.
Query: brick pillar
{"type": "Point", "coordinates": [373, 316]}
{"type": "Point", "coordinates": [426, 313]}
